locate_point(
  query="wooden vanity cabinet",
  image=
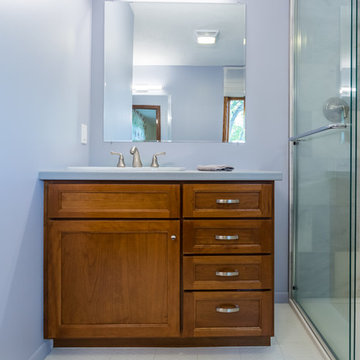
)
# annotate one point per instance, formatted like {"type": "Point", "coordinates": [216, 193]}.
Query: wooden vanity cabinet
{"type": "Point", "coordinates": [158, 263]}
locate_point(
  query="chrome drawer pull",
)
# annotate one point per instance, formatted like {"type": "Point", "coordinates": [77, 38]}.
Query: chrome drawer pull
{"type": "Point", "coordinates": [227, 273]}
{"type": "Point", "coordinates": [226, 237]}
{"type": "Point", "coordinates": [227, 201]}
{"type": "Point", "coordinates": [228, 308]}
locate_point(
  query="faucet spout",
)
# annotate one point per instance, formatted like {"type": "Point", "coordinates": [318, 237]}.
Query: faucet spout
{"type": "Point", "coordinates": [136, 157]}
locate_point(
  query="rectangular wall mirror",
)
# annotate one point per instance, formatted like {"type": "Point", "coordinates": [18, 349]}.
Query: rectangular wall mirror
{"type": "Point", "coordinates": [174, 72]}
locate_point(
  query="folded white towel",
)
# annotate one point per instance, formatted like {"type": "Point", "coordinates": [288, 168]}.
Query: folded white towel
{"type": "Point", "coordinates": [215, 168]}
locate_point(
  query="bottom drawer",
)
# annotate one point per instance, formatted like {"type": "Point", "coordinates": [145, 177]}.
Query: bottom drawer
{"type": "Point", "coordinates": [240, 313]}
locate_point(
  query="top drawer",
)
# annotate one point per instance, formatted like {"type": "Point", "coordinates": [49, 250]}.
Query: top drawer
{"type": "Point", "coordinates": [113, 201]}
{"type": "Point", "coordinates": [228, 200]}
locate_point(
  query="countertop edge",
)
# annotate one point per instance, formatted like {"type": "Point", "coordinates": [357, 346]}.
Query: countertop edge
{"type": "Point", "coordinates": [187, 175]}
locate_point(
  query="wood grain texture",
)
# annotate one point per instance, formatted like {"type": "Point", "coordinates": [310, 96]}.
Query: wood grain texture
{"type": "Point", "coordinates": [201, 318]}
{"type": "Point", "coordinates": [113, 279]}
{"type": "Point", "coordinates": [113, 201]}
{"type": "Point", "coordinates": [254, 236]}
{"type": "Point", "coordinates": [254, 272]}
{"type": "Point", "coordinates": [166, 342]}
{"type": "Point", "coordinates": [200, 200]}
{"type": "Point", "coordinates": [112, 282]}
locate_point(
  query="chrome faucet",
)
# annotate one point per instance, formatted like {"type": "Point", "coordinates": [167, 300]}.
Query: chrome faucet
{"type": "Point", "coordinates": [136, 159]}
{"type": "Point", "coordinates": [155, 162]}
{"type": "Point", "coordinates": [121, 162]}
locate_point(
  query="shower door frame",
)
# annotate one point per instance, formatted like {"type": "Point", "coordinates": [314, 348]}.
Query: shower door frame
{"type": "Point", "coordinates": [355, 188]}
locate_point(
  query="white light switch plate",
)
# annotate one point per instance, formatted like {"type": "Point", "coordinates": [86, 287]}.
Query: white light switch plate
{"type": "Point", "coordinates": [84, 134]}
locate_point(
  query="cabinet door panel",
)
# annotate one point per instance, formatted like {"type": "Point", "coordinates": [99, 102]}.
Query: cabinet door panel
{"type": "Point", "coordinates": [113, 279]}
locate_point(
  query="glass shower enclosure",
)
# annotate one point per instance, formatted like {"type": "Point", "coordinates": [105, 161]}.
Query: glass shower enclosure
{"type": "Point", "coordinates": [323, 162]}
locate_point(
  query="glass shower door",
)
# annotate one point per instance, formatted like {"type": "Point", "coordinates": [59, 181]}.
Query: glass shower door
{"type": "Point", "coordinates": [323, 168]}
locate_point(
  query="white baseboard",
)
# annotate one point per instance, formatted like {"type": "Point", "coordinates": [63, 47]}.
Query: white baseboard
{"type": "Point", "coordinates": [281, 297]}
{"type": "Point", "coordinates": [42, 351]}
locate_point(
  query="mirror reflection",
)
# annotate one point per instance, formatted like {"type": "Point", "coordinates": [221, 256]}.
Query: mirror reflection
{"type": "Point", "coordinates": [174, 72]}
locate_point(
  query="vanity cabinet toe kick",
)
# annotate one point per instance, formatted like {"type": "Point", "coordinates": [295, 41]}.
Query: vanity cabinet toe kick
{"type": "Point", "coordinates": [159, 263]}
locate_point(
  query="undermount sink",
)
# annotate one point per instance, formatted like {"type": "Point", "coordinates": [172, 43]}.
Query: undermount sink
{"type": "Point", "coordinates": [124, 169]}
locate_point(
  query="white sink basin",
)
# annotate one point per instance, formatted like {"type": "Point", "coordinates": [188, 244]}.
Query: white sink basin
{"type": "Point", "coordinates": [125, 169]}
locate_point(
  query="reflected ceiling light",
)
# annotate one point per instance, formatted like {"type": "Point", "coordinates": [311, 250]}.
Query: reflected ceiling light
{"type": "Point", "coordinates": [146, 88]}
{"type": "Point", "coordinates": [206, 37]}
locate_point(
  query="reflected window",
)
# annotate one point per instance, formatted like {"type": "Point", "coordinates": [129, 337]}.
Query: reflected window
{"type": "Point", "coordinates": [146, 123]}
{"type": "Point", "coordinates": [234, 119]}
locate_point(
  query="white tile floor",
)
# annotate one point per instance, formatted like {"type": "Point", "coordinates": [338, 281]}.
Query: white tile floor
{"type": "Point", "coordinates": [291, 342]}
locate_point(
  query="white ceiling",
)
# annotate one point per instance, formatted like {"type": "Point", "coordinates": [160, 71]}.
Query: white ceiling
{"type": "Point", "coordinates": [164, 34]}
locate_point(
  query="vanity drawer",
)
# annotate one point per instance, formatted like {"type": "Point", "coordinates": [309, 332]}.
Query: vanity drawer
{"type": "Point", "coordinates": [228, 200]}
{"type": "Point", "coordinates": [86, 200]}
{"type": "Point", "coordinates": [241, 272]}
{"type": "Point", "coordinates": [242, 313]}
{"type": "Point", "coordinates": [227, 236]}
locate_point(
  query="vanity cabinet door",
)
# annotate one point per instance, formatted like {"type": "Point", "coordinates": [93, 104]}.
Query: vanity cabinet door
{"type": "Point", "coordinates": [112, 279]}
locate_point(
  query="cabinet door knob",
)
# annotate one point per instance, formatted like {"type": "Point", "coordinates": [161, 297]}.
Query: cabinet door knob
{"type": "Point", "coordinates": [173, 237]}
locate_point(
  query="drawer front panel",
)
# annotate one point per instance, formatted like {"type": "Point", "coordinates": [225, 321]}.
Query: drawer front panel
{"type": "Point", "coordinates": [113, 201]}
{"type": "Point", "coordinates": [228, 313]}
{"type": "Point", "coordinates": [228, 200]}
{"type": "Point", "coordinates": [227, 272]}
{"type": "Point", "coordinates": [227, 236]}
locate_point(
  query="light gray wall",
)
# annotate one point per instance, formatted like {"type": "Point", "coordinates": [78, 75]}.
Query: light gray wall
{"type": "Point", "coordinates": [197, 94]}
{"type": "Point", "coordinates": [118, 72]}
{"type": "Point", "coordinates": [266, 111]}
{"type": "Point", "coordinates": [44, 96]}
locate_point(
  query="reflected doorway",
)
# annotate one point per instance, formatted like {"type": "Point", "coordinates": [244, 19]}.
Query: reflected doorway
{"type": "Point", "coordinates": [146, 123]}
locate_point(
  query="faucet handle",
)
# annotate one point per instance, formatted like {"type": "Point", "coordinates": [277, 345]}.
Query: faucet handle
{"type": "Point", "coordinates": [121, 162]}
{"type": "Point", "coordinates": [154, 162]}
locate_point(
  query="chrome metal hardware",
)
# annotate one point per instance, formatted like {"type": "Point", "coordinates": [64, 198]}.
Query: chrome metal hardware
{"type": "Point", "coordinates": [121, 162]}
{"type": "Point", "coordinates": [173, 237]}
{"type": "Point", "coordinates": [154, 162]}
{"type": "Point", "coordinates": [319, 130]}
{"type": "Point", "coordinates": [227, 308]}
{"type": "Point", "coordinates": [136, 159]}
{"type": "Point", "coordinates": [226, 237]}
{"type": "Point", "coordinates": [335, 109]}
{"type": "Point", "coordinates": [227, 201]}
{"type": "Point", "coordinates": [227, 273]}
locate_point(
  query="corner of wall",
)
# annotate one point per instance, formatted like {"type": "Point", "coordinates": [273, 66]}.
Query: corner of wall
{"type": "Point", "coordinates": [42, 351]}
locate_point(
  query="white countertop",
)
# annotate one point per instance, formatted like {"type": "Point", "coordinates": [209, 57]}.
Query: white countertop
{"type": "Point", "coordinates": [185, 175]}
